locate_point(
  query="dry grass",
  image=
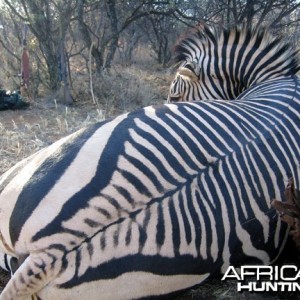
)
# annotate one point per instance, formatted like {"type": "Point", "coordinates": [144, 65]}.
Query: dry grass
{"type": "Point", "coordinates": [124, 89]}
{"type": "Point", "coordinates": [24, 132]}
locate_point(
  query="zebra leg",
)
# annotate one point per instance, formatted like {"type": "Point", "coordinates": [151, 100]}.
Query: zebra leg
{"type": "Point", "coordinates": [32, 275]}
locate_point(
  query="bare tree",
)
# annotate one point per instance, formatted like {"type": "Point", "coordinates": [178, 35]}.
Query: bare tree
{"type": "Point", "coordinates": [272, 13]}
{"type": "Point", "coordinates": [114, 16]}
{"type": "Point", "coordinates": [159, 29]}
{"type": "Point", "coordinates": [44, 20]}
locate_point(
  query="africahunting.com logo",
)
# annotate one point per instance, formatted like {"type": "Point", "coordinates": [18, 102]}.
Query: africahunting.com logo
{"type": "Point", "coordinates": [265, 278]}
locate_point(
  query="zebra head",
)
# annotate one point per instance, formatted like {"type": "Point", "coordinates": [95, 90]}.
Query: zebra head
{"type": "Point", "coordinates": [185, 83]}
{"type": "Point", "coordinates": [220, 64]}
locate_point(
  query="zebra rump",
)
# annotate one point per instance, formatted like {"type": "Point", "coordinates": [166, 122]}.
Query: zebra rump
{"type": "Point", "coordinates": [219, 63]}
{"type": "Point", "coordinates": [153, 201]}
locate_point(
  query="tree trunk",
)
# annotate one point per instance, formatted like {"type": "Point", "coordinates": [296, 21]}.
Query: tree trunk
{"type": "Point", "coordinates": [97, 54]}
{"type": "Point", "coordinates": [52, 66]}
{"type": "Point", "coordinates": [111, 12]}
{"type": "Point", "coordinates": [64, 74]}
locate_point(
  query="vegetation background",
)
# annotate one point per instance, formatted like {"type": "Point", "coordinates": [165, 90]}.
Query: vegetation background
{"type": "Point", "coordinates": [94, 59]}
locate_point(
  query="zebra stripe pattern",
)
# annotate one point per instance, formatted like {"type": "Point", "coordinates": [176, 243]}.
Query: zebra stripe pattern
{"type": "Point", "coordinates": [8, 263]}
{"type": "Point", "coordinates": [154, 201]}
{"type": "Point", "coordinates": [217, 63]}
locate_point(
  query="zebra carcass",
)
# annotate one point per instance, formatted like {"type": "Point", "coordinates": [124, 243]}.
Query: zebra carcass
{"type": "Point", "coordinates": [153, 201]}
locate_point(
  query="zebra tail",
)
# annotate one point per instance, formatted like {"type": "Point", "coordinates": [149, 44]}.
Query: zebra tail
{"type": "Point", "coordinates": [33, 274]}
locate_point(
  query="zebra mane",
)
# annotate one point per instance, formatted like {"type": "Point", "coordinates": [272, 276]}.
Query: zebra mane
{"type": "Point", "coordinates": [202, 39]}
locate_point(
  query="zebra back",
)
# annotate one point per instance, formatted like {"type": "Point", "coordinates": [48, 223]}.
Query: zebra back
{"type": "Point", "coordinates": [154, 201]}
{"type": "Point", "coordinates": [218, 63]}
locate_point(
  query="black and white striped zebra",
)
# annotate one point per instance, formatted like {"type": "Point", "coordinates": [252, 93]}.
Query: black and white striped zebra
{"type": "Point", "coordinates": [218, 63]}
{"type": "Point", "coordinates": [153, 201]}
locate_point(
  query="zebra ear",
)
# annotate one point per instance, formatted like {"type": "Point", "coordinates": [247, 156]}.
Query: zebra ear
{"type": "Point", "coordinates": [190, 70]}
